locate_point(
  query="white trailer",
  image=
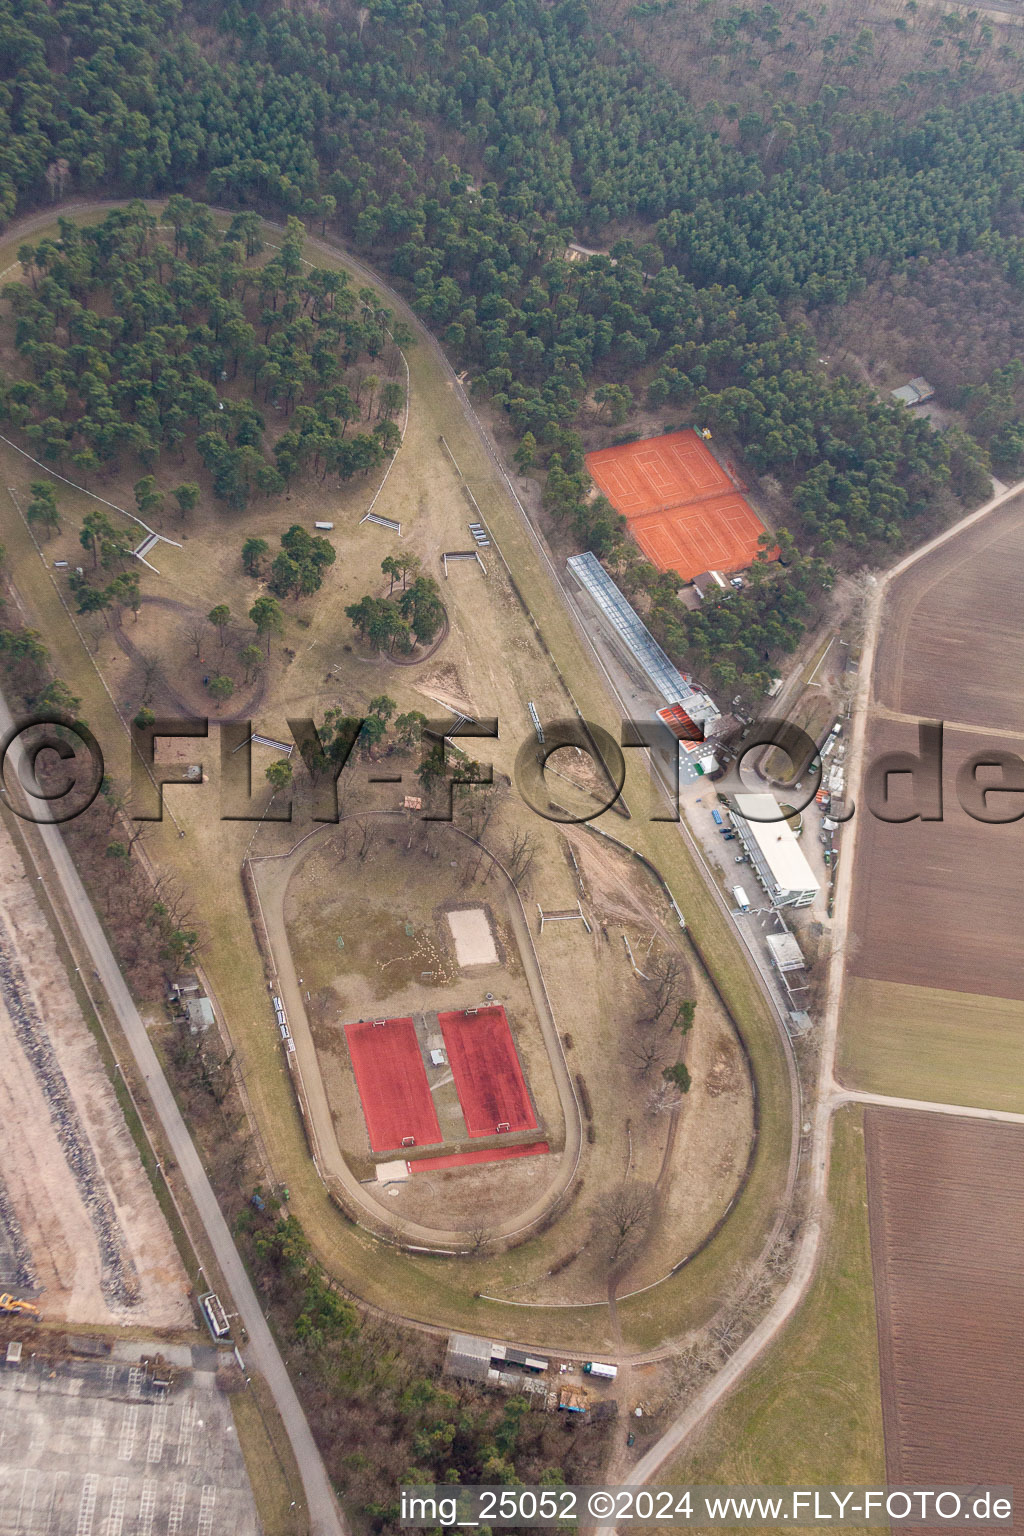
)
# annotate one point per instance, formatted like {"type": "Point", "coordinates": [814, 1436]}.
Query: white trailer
{"type": "Point", "coordinates": [741, 898]}
{"type": "Point", "coordinates": [598, 1368]}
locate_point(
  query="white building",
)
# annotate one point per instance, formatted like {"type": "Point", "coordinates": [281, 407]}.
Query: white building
{"type": "Point", "coordinates": [775, 855]}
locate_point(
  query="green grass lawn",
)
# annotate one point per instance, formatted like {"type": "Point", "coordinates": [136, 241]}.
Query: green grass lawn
{"type": "Point", "coordinates": [811, 1412]}
{"type": "Point", "coordinates": [926, 1043]}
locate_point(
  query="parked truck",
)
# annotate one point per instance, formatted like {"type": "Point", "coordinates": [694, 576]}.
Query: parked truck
{"type": "Point", "coordinates": [598, 1368]}
{"type": "Point", "coordinates": [741, 898]}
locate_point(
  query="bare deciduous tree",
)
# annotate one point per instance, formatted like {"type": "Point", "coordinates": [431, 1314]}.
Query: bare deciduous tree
{"type": "Point", "coordinates": [370, 838]}
{"type": "Point", "coordinates": [195, 634]}
{"type": "Point", "coordinates": [621, 1221]}
{"type": "Point", "coordinates": [663, 1099]}
{"type": "Point", "coordinates": [669, 981]}
{"type": "Point", "coordinates": [519, 858]}
{"type": "Point", "coordinates": [149, 666]}
{"type": "Point", "coordinates": [645, 1050]}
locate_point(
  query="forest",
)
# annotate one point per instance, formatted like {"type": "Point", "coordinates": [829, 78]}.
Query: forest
{"type": "Point", "coordinates": [125, 342]}
{"type": "Point", "coordinates": [460, 147]}
{"type": "Point", "coordinates": [371, 1384]}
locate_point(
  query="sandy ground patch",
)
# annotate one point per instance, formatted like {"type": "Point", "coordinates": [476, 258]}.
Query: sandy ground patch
{"type": "Point", "coordinates": [99, 1248]}
{"type": "Point", "coordinates": [474, 941]}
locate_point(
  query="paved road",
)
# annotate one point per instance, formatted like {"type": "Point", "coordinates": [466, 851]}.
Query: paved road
{"type": "Point", "coordinates": [325, 1517]}
{"type": "Point", "coordinates": [830, 1093]}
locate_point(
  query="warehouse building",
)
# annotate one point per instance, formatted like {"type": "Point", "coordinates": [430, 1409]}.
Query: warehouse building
{"type": "Point", "coordinates": [468, 1358]}
{"type": "Point", "coordinates": [474, 1359]}
{"type": "Point", "coordinates": [775, 855]}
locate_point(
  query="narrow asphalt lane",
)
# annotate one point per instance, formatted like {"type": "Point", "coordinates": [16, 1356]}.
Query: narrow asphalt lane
{"type": "Point", "coordinates": [262, 1353]}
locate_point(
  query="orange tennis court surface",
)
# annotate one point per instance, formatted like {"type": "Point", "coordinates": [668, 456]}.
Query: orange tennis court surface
{"type": "Point", "coordinates": [392, 1083]}
{"type": "Point", "coordinates": [488, 1077]}
{"type": "Point", "coordinates": [682, 508]}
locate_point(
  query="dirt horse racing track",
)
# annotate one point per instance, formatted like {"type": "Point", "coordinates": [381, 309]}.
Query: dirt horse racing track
{"type": "Point", "coordinates": [683, 509]}
{"type": "Point", "coordinates": [945, 1197]}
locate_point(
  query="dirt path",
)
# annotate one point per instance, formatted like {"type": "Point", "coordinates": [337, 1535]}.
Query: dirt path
{"type": "Point", "coordinates": [187, 706]}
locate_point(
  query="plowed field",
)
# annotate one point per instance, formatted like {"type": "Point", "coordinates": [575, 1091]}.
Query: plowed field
{"type": "Point", "coordinates": [945, 1197]}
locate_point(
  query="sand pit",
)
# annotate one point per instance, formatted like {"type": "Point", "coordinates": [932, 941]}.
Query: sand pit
{"type": "Point", "coordinates": [474, 941]}
{"type": "Point", "coordinates": [98, 1247]}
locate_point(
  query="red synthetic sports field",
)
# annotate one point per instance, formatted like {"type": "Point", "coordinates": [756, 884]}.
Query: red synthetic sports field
{"type": "Point", "coordinates": [488, 1077]}
{"type": "Point", "coordinates": [682, 508]}
{"type": "Point", "coordinates": [392, 1083]}
{"type": "Point", "coordinates": [485, 1155]}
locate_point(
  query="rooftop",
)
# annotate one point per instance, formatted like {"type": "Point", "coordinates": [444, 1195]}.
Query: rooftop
{"type": "Point", "coordinates": [468, 1357]}
{"type": "Point", "coordinates": [914, 393]}
{"type": "Point", "coordinates": [777, 842]}
{"type": "Point", "coordinates": [786, 952]}
{"type": "Point", "coordinates": [674, 687]}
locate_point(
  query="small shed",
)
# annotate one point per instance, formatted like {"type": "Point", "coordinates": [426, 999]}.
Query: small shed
{"type": "Point", "coordinates": [200, 1015]}
{"type": "Point", "coordinates": [914, 393]}
{"type": "Point", "coordinates": [184, 986]}
{"type": "Point", "coordinates": [786, 952]}
{"type": "Point", "coordinates": [467, 1358]}
{"type": "Point", "coordinates": [14, 1352]}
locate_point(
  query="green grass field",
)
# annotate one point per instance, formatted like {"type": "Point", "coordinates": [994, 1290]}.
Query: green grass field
{"type": "Point", "coordinates": [927, 1043]}
{"type": "Point", "coordinates": [811, 1412]}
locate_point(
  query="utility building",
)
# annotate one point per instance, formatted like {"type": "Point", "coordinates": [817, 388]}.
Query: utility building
{"type": "Point", "coordinates": [775, 855]}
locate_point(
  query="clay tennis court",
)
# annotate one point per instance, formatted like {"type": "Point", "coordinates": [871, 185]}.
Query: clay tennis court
{"type": "Point", "coordinates": [485, 1155]}
{"type": "Point", "coordinates": [947, 1252]}
{"type": "Point", "coordinates": [683, 509]}
{"type": "Point", "coordinates": [392, 1083]}
{"type": "Point", "coordinates": [488, 1077]}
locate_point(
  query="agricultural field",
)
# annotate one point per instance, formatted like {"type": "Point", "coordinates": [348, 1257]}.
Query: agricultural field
{"type": "Point", "coordinates": [933, 1044]}
{"type": "Point", "coordinates": [959, 607]}
{"type": "Point", "coordinates": [949, 1285]}
{"type": "Point", "coordinates": [934, 995]}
